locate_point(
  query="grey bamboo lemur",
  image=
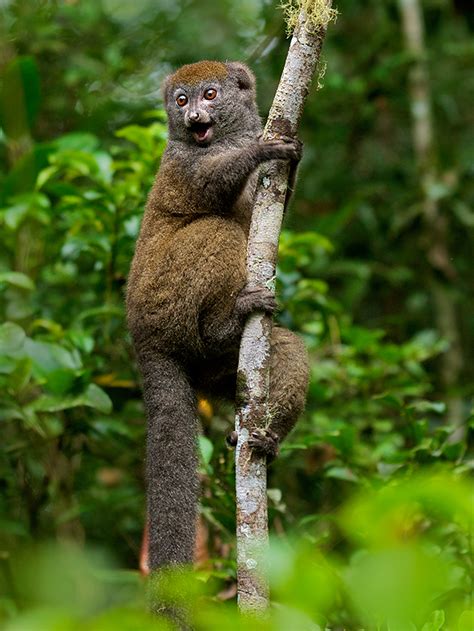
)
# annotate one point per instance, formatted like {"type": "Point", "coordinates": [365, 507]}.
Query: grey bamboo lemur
{"type": "Point", "coordinates": [187, 297]}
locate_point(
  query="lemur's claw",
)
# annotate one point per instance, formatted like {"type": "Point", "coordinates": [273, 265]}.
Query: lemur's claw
{"type": "Point", "coordinates": [264, 442]}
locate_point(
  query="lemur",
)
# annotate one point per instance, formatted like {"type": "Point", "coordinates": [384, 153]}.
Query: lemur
{"type": "Point", "coordinates": [187, 291]}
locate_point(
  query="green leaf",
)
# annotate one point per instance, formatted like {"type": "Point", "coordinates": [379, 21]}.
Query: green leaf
{"type": "Point", "coordinates": [53, 365]}
{"type": "Point", "coordinates": [206, 449]}
{"type": "Point", "coordinates": [17, 279]}
{"type": "Point", "coordinates": [464, 214]}
{"type": "Point", "coordinates": [342, 473]}
{"type": "Point", "coordinates": [12, 338]}
{"type": "Point", "coordinates": [45, 175]}
{"type": "Point", "coordinates": [436, 622]}
{"type": "Point", "coordinates": [7, 365]}
{"type": "Point", "coordinates": [105, 166]}
{"type": "Point", "coordinates": [82, 340]}
{"type": "Point", "coordinates": [10, 414]}
{"type": "Point", "coordinates": [48, 357]}
{"type": "Point", "coordinates": [77, 141]}
{"type": "Point", "coordinates": [93, 397]}
{"type": "Point", "coordinates": [437, 190]}
{"type": "Point", "coordinates": [33, 205]}
{"type": "Point", "coordinates": [454, 451]}
{"type": "Point", "coordinates": [75, 163]}
{"type": "Point", "coordinates": [138, 135]}
{"type": "Point", "coordinates": [53, 403]}
{"type": "Point", "coordinates": [427, 406]}
{"type": "Point", "coordinates": [102, 311]}
{"type": "Point", "coordinates": [21, 374]}
{"type": "Point", "coordinates": [275, 495]}
{"type": "Point", "coordinates": [343, 438]}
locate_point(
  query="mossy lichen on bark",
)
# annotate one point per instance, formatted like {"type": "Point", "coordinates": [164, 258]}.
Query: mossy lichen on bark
{"type": "Point", "coordinates": [318, 14]}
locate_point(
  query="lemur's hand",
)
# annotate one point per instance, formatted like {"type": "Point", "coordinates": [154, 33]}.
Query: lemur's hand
{"type": "Point", "coordinates": [281, 148]}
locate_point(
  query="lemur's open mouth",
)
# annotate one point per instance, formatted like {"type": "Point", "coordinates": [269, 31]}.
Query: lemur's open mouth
{"type": "Point", "coordinates": [202, 132]}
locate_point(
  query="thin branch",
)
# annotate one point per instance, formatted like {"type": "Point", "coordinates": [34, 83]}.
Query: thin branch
{"type": "Point", "coordinates": [253, 372]}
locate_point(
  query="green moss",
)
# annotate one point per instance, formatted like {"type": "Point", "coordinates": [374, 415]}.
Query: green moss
{"type": "Point", "coordinates": [318, 13]}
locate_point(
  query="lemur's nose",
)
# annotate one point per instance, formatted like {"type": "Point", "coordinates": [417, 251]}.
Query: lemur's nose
{"type": "Point", "coordinates": [194, 116]}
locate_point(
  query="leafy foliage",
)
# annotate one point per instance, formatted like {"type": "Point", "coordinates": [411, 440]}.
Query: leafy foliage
{"type": "Point", "coordinates": [368, 502]}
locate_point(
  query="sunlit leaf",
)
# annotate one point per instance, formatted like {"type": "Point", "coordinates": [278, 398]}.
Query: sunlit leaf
{"type": "Point", "coordinates": [12, 338]}
{"type": "Point", "coordinates": [206, 449]}
{"type": "Point", "coordinates": [17, 279]}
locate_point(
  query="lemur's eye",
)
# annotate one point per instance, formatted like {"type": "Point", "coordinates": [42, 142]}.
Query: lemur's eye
{"type": "Point", "coordinates": [210, 94]}
{"type": "Point", "coordinates": [181, 100]}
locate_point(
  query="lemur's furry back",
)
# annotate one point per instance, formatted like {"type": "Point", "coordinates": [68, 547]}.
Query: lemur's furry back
{"type": "Point", "coordinates": [187, 295]}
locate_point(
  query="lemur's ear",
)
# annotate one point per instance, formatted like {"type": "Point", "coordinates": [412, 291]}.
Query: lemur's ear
{"type": "Point", "coordinates": [242, 73]}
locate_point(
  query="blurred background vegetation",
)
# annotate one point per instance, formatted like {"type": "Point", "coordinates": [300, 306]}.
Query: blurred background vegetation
{"type": "Point", "coordinates": [370, 501]}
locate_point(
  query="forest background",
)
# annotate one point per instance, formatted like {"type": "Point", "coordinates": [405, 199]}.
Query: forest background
{"type": "Point", "coordinates": [369, 501]}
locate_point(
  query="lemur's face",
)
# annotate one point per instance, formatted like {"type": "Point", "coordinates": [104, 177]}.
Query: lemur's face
{"type": "Point", "coordinates": [206, 101]}
{"type": "Point", "coordinates": [199, 108]}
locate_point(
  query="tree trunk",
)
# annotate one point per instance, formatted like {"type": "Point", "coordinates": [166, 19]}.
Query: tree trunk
{"type": "Point", "coordinates": [253, 372]}
{"type": "Point", "coordinates": [441, 272]}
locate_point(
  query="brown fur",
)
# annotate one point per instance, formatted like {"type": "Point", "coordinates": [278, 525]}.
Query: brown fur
{"type": "Point", "coordinates": [187, 299]}
{"type": "Point", "coordinates": [191, 74]}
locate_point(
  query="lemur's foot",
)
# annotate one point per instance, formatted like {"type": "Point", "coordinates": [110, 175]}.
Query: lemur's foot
{"type": "Point", "coordinates": [264, 442]}
{"type": "Point", "coordinates": [257, 298]}
{"type": "Point", "coordinates": [231, 439]}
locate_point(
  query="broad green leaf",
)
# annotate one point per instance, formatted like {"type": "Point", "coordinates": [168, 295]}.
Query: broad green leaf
{"type": "Point", "coordinates": [93, 397]}
{"type": "Point", "coordinates": [428, 406]}
{"type": "Point", "coordinates": [53, 365]}
{"type": "Point", "coordinates": [81, 339]}
{"type": "Point", "coordinates": [12, 338]}
{"type": "Point", "coordinates": [343, 438]}
{"type": "Point", "coordinates": [48, 357]}
{"type": "Point", "coordinates": [8, 365]}
{"type": "Point", "coordinates": [45, 175]}
{"type": "Point", "coordinates": [454, 451]}
{"type": "Point", "coordinates": [77, 141]}
{"type": "Point", "coordinates": [17, 279]}
{"type": "Point", "coordinates": [105, 165]}
{"type": "Point", "coordinates": [10, 414]}
{"type": "Point", "coordinates": [26, 205]}
{"type": "Point", "coordinates": [342, 473]}
{"type": "Point", "coordinates": [206, 449]}
{"type": "Point", "coordinates": [275, 495]}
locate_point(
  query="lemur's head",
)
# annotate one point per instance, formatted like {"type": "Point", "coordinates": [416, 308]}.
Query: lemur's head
{"type": "Point", "coordinates": [210, 100]}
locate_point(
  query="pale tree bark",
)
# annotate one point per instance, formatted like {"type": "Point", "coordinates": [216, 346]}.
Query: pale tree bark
{"type": "Point", "coordinates": [435, 224]}
{"type": "Point", "coordinates": [253, 372]}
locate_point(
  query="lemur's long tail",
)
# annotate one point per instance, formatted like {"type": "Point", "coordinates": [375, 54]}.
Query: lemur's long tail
{"type": "Point", "coordinates": [172, 478]}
